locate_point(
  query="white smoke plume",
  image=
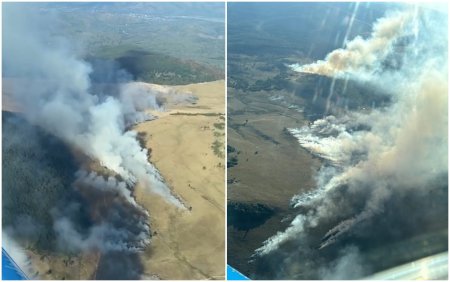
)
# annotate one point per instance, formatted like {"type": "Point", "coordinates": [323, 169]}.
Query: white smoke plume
{"type": "Point", "coordinates": [101, 183]}
{"type": "Point", "coordinates": [137, 97]}
{"type": "Point", "coordinates": [56, 93]}
{"type": "Point", "coordinates": [360, 54]}
{"type": "Point", "coordinates": [372, 156]}
{"type": "Point", "coordinates": [335, 132]}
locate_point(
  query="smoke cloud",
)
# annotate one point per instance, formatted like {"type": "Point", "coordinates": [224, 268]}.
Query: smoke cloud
{"type": "Point", "coordinates": [50, 207]}
{"type": "Point", "coordinates": [57, 95]}
{"type": "Point", "coordinates": [377, 162]}
{"type": "Point", "coordinates": [360, 54]}
{"type": "Point", "coordinates": [89, 105]}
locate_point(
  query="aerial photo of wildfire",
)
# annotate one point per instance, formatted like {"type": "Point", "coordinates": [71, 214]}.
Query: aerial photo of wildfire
{"type": "Point", "coordinates": [337, 139]}
{"type": "Point", "coordinates": [113, 140]}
